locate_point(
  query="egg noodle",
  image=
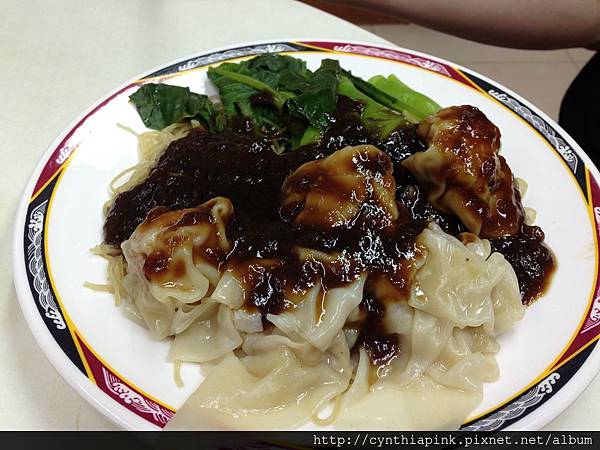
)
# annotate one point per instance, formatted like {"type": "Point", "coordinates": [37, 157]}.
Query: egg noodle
{"type": "Point", "coordinates": [151, 144]}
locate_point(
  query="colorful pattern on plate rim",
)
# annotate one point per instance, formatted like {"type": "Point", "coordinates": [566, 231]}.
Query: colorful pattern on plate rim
{"type": "Point", "coordinates": [126, 394]}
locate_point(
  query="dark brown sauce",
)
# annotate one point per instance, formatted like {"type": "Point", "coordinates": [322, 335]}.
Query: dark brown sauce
{"type": "Point", "coordinates": [381, 347]}
{"type": "Point", "coordinates": [156, 264]}
{"type": "Point", "coordinates": [530, 258]}
{"type": "Point", "coordinates": [410, 195]}
{"type": "Point", "coordinates": [242, 167]}
{"type": "Point", "coordinates": [273, 278]}
{"type": "Point", "coordinates": [160, 266]}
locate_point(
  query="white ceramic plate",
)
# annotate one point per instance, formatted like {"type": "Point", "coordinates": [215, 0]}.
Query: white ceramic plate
{"type": "Point", "coordinates": [545, 362]}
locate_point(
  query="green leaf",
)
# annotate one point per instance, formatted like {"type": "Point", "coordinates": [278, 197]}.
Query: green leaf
{"type": "Point", "coordinates": [160, 105]}
{"type": "Point", "coordinates": [294, 82]}
{"type": "Point", "coordinates": [241, 99]}
{"type": "Point", "coordinates": [281, 72]}
{"type": "Point", "coordinates": [235, 96]}
{"type": "Point", "coordinates": [318, 100]}
{"type": "Point", "coordinates": [311, 135]}
{"type": "Point", "coordinates": [418, 102]}
{"type": "Point", "coordinates": [252, 81]}
{"type": "Point", "coordinates": [379, 119]}
{"type": "Point", "coordinates": [331, 65]}
{"type": "Point", "coordinates": [280, 65]}
{"type": "Point", "coordinates": [384, 98]}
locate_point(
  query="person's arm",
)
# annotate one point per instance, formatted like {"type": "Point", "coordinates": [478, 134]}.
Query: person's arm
{"type": "Point", "coordinates": [530, 24]}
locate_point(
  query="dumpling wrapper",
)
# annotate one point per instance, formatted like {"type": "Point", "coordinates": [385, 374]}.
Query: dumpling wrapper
{"type": "Point", "coordinates": [270, 391]}
{"type": "Point", "coordinates": [459, 285]}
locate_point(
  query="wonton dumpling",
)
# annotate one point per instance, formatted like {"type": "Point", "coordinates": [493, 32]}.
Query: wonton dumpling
{"type": "Point", "coordinates": [273, 390]}
{"type": "Point", "coordinates": [257, 343]}
{"type": "Point", "coordinates": [506, 297]}
{"type": "Point", "coordinates": [453, 283]}
{"type": "Point", "coordinates": [464, 363]}
{"type": "Point", "coordinates": [462, 173]}
{"type": "Point", "coordinates": [458, 284]}
{"type": "Point", "coordinates": [429, 336]}
{"type": "Point", "coordinates": [188, 314]}
{"type": "Point", "coordinates": [460, 358]}
{"type": "Point", "coordinates": [229, 291]}
{"type": "Point", "coordinates": [433, 383]}
{"type": "Point", "coordinates": [329, 192]}
{"type": "Point", "coordinates": [418, 404]}
{"type": "Point", "coordinates": [172, 259]}
{"type": "Point", "coordinates": [208, 338]}
{"type": "Point", "coordinates": [320, 316]}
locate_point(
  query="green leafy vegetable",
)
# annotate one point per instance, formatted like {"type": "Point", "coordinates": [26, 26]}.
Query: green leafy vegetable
{"type": "Point", "coordinates": [423, 105]}
{"type": "Point", "coordinates": [235, 96]}
{"type": "Point", "coordinates": [254, 82]}
{"type": "Point", "coordinates": [318, 100]}
{"type": "Point", "coordinates": [310, 135]}
{"type": "Point", "coordinates": [160, 105]}
{"type": "Point", "coordinates": [302, 99]}
{"type": "Point", "coordinates": [285, 101]}
{"type": "Point", "coordinates": [275, 63]}
{"type": "Point", "coordinates": [379, 119]}
{"type": "Point", "coordinates": [240, 99]}
{"type": "Point", "coordinates": [414, 115]}
{"type": "Point", "coordinates": [284, 72]}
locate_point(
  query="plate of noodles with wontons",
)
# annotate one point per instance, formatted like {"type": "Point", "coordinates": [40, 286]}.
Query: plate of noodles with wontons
{"type": "Point", "coordinates": [311, 235]}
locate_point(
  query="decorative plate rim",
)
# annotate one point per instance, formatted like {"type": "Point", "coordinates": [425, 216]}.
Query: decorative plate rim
{"type": "Point", "coordinates": [137, 411]}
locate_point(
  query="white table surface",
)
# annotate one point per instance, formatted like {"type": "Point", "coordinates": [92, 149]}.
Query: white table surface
{"type": "Point", "coordinates": [57, 58]}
